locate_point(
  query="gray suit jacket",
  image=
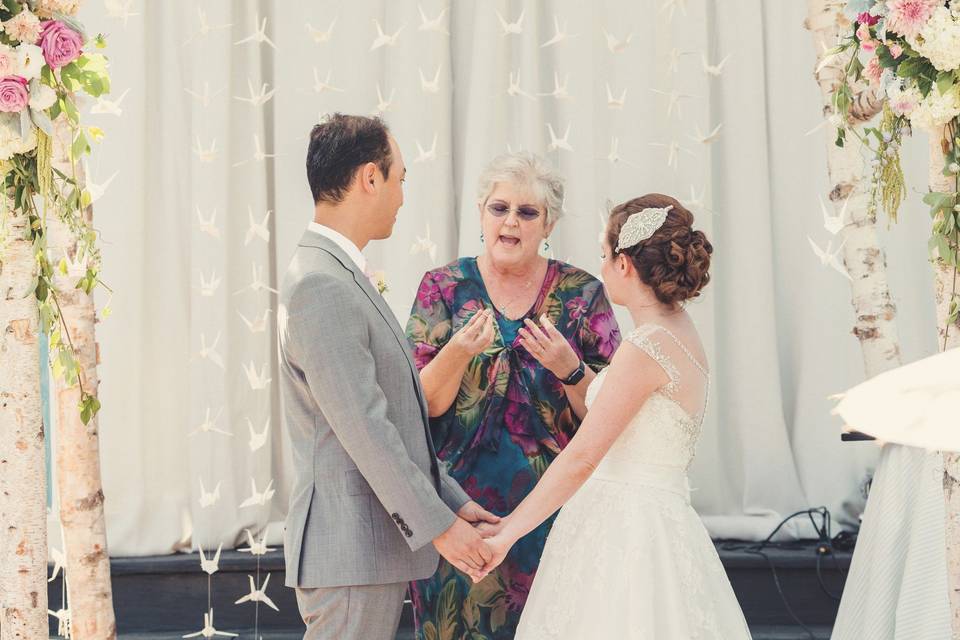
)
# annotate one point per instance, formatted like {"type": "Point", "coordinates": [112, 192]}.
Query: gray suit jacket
{"type": "Point", "coordinates": [369, 494]}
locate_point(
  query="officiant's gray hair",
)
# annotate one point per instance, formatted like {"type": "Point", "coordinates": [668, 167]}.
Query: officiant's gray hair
{"type": "Point", "coordinates": [529, 170]}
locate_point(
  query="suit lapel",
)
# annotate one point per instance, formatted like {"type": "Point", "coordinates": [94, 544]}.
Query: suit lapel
{"type": "Point", "coordinates": [386, 313]}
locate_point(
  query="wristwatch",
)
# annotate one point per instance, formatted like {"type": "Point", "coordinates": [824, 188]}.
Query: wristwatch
{"type": "Point", "coordinates": [576, 376]}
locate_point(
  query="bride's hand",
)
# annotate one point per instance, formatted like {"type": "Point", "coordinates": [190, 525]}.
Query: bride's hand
{"type": "Point", "coordinates": [499, 545]}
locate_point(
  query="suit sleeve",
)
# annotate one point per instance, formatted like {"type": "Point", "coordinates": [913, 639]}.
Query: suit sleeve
{"type": "Point", "coordinates": [331, 347]}
{"type": "Point", "coordinates": [450, 490]}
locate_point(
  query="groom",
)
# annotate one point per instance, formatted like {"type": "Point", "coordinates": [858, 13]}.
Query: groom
{"type": "Point", "coordinates": [369, 496]}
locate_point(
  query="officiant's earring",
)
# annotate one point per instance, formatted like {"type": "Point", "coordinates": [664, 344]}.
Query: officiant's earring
{"type": "Point", "coordinates": [546, 245]}
{"type": "Point", "coordinates": [481, 237]}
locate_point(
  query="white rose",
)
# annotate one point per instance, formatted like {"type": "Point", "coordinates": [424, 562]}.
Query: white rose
{"type": "Point", "coordinates": [29, 61]}
{"type": "Point", "coordinates": [10, 143]}
{"type": "Point", "coordinates": [23, 146]}
{"type": "Point", "coordinates": [42, 97]}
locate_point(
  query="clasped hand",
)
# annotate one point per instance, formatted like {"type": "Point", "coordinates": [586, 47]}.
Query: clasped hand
{"type": "Point", "coordinates": [463, 544]}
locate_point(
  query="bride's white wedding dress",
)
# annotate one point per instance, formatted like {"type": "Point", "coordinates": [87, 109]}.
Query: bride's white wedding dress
{"type": "Point", "coordinates": [628, 557]}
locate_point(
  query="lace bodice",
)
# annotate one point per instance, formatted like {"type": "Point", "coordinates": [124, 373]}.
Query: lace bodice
{"type": "Point", "coordinates": [666, 429]}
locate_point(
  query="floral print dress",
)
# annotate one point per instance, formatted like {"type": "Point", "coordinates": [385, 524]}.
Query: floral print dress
{"type": "Point", "coordinates": [510, 419]}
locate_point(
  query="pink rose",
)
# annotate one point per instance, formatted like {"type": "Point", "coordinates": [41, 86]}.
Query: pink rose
{"type": "Point", "coordinates": [873, 71]}
{"type": "Point", "coordinates": [866, 42]}
{"type": "Point", "coordinates": [61, 45]}
{"type": "Point", "coordinates": [895, 50]}
{"type": "Point", "coordinates": [13, 94]}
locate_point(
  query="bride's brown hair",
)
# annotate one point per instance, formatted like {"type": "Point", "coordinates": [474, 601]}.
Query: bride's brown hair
{"type": "Point", "coordinates": [675, 260]}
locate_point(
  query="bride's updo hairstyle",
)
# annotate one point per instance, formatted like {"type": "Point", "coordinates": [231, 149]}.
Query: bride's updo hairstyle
{"type": "Point", "coordinates": [675, 260]}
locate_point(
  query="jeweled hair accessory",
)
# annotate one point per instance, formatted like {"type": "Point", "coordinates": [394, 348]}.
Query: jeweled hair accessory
{"type": "Point", "coordinates": [641, 226]}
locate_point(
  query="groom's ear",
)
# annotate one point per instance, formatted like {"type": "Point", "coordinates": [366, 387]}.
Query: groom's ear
{"type": "Point", "coordinates": [367, 174]}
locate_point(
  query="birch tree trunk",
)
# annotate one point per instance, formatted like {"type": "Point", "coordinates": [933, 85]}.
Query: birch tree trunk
{"type": "Point", "coordinates": [946, 283]}
{"type": "Point", "coordinates": [863, 257]}
{"type": "Point", "coordinates": [23, 479]}
{"type": "Point", "coordinates": [79, 484]}
{"type": "Point", "coordinates": [887, 540]}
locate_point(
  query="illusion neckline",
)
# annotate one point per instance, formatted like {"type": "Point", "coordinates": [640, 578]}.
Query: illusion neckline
{"type": "Point", "coordinates": [692, 418]}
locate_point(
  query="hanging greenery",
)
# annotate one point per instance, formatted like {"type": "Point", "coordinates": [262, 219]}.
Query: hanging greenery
{"type": "Point", "coordinates": [909, 53]}
{"type": "Point", "coordinates": [47, 66]}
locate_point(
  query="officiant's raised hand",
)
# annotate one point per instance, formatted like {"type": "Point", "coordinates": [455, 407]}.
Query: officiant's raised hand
{"type": "Point", "coordinates": [463, 547]}
{"type": "Point", "coordinates": [476, 335]}
{"type": "Point", "coordinates": [549, 347]}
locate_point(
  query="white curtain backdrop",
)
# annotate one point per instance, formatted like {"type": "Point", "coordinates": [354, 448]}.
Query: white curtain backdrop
{"type": "Point", "coordinates": [776, 324]}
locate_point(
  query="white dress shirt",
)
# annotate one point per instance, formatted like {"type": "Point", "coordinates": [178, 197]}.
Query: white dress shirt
{"type": "Point", "coordinates": [342, 241]}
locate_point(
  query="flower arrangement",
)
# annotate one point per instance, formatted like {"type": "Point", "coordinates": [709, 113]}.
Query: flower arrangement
{"type": "Point", "coordinates": [908, 53]}
{"type": "Point", "coordinates": [47, 66]}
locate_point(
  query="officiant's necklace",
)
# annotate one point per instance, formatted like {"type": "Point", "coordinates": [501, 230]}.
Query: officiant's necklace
{"type": "Point", "coordinates": [504, 308]}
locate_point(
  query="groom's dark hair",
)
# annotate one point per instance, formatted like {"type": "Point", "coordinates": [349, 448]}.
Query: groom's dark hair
{"type": "Point", "coordinates": [338, 147]}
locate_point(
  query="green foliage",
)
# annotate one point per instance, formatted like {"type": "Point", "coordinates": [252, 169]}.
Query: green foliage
{"type": "Point", "coordinates": [29, 178]}
{"type": "Point", "coordinates": [888, 189]}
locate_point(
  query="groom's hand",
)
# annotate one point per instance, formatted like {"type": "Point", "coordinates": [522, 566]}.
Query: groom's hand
{"type": "Point", "coordinates": [475, 514]}
{"type": "Point", "coordinates": [463, 547]}
{"type": "Point", "coordinates": [499, 545]}
{"type": "Point", "coordinates": [487, 530]}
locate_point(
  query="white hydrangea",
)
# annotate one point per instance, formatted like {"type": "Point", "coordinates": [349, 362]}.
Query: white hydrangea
{"type": "Point", "coordinates": [936, 109]}
{"type": "Point", "coordinates": [41, 96]}
{"type": "Point", "coordinates": [11, 143]}
{"type": "Point", "coordinates": [939, 40]}
{"type": "Point", "coordinates": [30, 143]}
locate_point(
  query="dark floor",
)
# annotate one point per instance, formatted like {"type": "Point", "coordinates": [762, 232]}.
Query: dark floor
{"type": "Point", "coordinates": [765, 632]}
{"type": "Point", "coordinates": [165, 596]}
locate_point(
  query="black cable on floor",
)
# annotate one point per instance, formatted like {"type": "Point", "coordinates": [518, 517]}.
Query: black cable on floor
{"type": "Point", "coordinates": [824, 547]}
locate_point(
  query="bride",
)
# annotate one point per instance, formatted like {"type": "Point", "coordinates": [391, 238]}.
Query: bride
{"type": "Point", "coordinates": [627, 556]}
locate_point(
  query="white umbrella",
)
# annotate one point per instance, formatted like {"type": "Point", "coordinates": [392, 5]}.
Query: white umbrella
{"type": "Point", "coordinates": [915, 405]}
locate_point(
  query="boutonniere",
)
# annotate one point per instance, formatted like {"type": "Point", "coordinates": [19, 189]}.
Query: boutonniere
{"type": "Point", "coordinates": [379, 280]}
